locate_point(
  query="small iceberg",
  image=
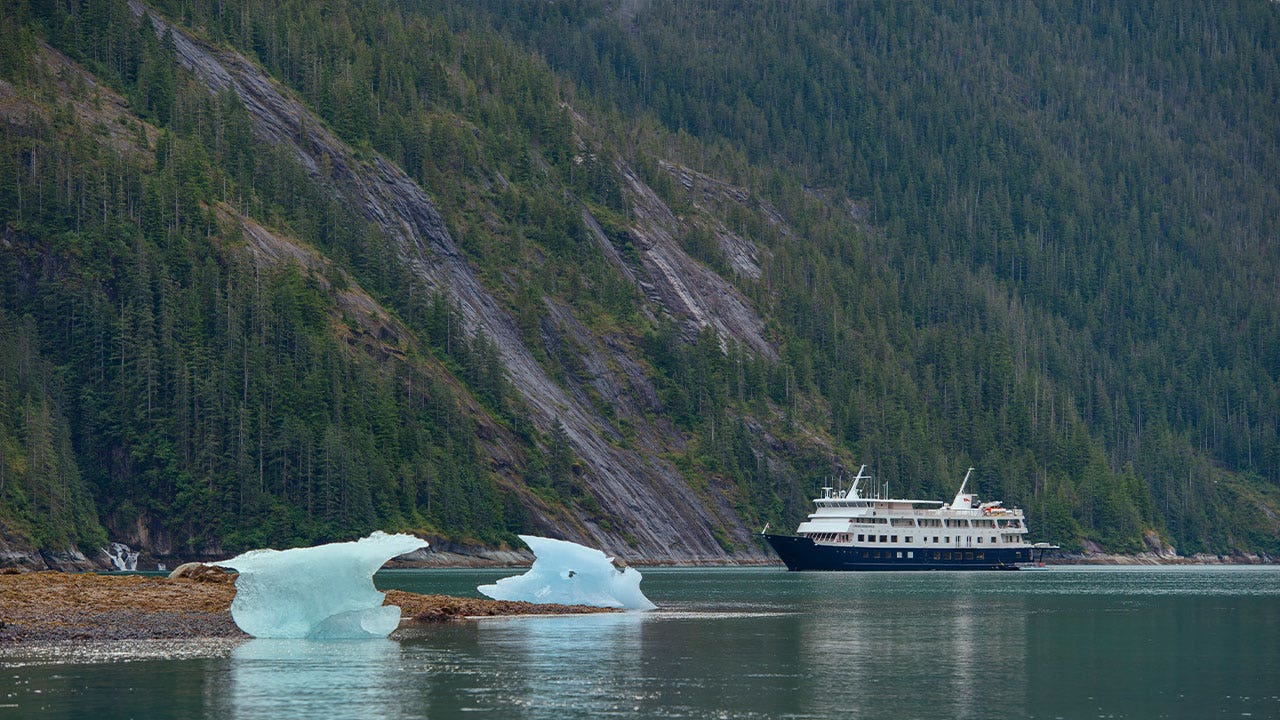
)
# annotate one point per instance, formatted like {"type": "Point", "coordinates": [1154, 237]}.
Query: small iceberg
{"type": "Point", "coordinates": [324, 591]}
{"type": "Point", "coordinates": [570, 574]}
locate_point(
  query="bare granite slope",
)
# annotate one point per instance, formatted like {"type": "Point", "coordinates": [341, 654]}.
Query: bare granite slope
{"type": "Point", "coordinates": [655, 515]}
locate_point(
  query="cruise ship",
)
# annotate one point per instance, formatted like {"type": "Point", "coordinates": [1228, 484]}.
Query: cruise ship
{"type": "Point", "coordinates": [848, 531]}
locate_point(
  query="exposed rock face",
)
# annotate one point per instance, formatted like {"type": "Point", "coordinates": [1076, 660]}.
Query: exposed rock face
{"type": "Point", "coordinates": [17, 554]}
{"type": "Point", "coordinates": [686, 288]}
{"type": "Point", "coordinates": [660, 517]}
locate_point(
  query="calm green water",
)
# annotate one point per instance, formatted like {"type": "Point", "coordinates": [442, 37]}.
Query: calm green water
{"type": "Point", "coordinates": [761, 643]}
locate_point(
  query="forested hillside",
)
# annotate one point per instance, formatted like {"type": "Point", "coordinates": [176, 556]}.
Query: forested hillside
{"type": "Point", "coordinates": [1077, 195]}
{"type": "Point", "coordinates": [205, 395]}
{"type": "Point", "coordinates": [636, 274]}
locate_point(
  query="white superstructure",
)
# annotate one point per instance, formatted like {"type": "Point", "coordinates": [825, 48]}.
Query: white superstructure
{"type": "Point", "coordinates": [848, 519]}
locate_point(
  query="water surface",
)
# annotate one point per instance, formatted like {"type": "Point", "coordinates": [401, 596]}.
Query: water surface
{"type": "Point", "coordinates": [729, 643]}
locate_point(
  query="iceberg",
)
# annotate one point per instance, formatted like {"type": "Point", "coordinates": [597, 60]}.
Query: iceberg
{"type": "Point", "coordinates": [324, 591]}
{"type": "Point", "coordinates": [570, 574]}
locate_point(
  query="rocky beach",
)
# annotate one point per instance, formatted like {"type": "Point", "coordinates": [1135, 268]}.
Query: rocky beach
{"type": "Point", "coordinates": [54, 606]}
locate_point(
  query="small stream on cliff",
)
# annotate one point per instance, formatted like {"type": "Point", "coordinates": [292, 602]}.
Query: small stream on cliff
{"type": "Point", "coordinates": [731, 643]}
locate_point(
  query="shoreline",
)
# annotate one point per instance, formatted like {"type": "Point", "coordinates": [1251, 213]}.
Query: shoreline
{"type": "Point", "coordinates": [52, 606]}
{"type": "Point", "coordinates": [1157, 559]}
{"type": "Point", "coordinates": [517, 561]}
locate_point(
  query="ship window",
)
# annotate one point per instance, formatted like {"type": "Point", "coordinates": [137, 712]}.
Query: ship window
{"type": "Point", "coordinates": [895, 538]}
{"type": "Point", "coordinates": [884, 538]}
{"type": "Point", "coordinates": [861, 537]}
{"type": "Point", "coordinates": [968, 556]}
{"type": "Point", "coordinates": [936, 555]}
{"type": "Point", "coordinates": [907, 539]}
{"type": "Point", "coordinates": [910, 554]}
{"type": "Point", "coordinates": [899, 553]}
{"type": "Point", "coordinates": [947, 539]}
{"type": "Point", "coordinates": [979, 539]}
{"type": "Point", "coordinates": [982, 556]}
{"type": "Point", "coordinates": [946, 556]}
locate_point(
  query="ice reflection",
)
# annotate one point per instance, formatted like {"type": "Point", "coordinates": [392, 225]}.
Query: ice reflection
{"type": "Point", "coordinates": [577, 665]}
{"type": "Point", "coordinates": [317, 678]}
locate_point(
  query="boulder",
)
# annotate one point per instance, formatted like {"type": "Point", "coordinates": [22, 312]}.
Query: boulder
{"type": "Point", "coordinates": [201, 572]}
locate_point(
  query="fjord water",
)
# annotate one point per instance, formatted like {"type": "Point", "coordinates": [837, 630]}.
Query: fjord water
{"type": "Point", "coordinates": [729, 643]}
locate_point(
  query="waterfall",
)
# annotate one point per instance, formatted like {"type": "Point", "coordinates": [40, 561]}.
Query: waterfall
{"type": "Point", "coordinates": [121, 556]}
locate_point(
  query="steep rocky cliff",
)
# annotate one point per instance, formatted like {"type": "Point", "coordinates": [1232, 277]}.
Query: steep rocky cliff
{"type": "Point", "coordinates": [652, 512]}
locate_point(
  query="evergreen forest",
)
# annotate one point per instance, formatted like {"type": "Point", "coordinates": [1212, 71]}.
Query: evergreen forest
{"type": "Point", "coordinates": [749, 248]}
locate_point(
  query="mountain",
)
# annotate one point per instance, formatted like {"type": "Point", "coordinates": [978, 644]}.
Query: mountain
{"type": "Point", "coordinates": [638, 275]}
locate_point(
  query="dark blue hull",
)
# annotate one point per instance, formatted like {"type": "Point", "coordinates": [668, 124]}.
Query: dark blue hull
{"type": "Point", "coordinates": [802, 553]}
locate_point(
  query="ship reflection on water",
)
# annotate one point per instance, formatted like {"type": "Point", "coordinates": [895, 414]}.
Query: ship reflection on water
{"type": "Point", "coordinates": [942, 653]}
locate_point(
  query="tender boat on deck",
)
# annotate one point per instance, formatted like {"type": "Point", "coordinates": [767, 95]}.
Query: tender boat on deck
{"type": "Point", "coordinates": [850, 532]}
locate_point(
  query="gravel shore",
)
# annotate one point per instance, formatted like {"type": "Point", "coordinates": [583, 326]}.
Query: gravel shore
{"type": "Point", "coordinates": [51, 606]}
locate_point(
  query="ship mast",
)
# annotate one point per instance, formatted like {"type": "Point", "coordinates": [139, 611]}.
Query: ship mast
{"type": "Point", "coordinates": [962, 501]}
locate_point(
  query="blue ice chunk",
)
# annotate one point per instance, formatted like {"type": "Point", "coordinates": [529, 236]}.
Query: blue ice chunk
{"type": "Point", "coordinates": [570, 574]}
{"type": "Point", "coordinates": [317, 592]}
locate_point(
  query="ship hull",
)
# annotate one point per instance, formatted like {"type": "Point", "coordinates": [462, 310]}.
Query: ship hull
{"type": "Point", "coordinates": [802, 553]}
